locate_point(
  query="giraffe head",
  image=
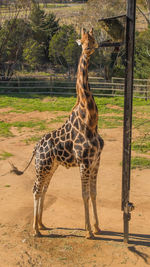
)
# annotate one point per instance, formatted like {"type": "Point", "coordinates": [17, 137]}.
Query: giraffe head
{"type": "Point", "coordinates": [88, 42]}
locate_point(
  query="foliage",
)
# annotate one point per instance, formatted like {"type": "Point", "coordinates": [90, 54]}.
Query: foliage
{"type": "Point", "coordinates": [141, 58]}
{"type": "Point", "coordinates": [72, 52]}
{"type": "Point", "coordinates": [33, 53]}
{"type": "Point", "coordinates": [142, 55]}
{"type": "Point", "coordinates": [41, 42]}
{"type": "Point", "coordinates": [63, 49]}
{"type": "Point", "coordinates": [12, 34]}
{"type": "Point", "coordinates": [101, 9]}
{"type": "Point", "coordinates": [44, 26]}
{"type": "Point", "coordinates": [119, 67]}
{"type": "Point", "coordinates": [12, 39]}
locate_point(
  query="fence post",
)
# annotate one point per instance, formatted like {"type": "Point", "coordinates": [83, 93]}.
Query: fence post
{"type": "Point", "coordinates": [112, 81]}
{"type": "Point", "coordinates": [146, 93]}
{"type": "Point", "coordinates": [127, 132]}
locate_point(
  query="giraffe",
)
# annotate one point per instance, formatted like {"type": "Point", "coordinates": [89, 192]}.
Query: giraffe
{"type": "Point", "coordinates": [76, 143]}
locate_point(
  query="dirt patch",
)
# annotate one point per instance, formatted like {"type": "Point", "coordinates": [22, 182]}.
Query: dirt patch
{"type": "Point", "coordinates": [48, 99]}
{"type": "Point", "coordinates": [114, 107]}
{"type": "Point", "coordinates": [3, 110]}
{"type": "Point", "coordinates": [64, 242]}
{"type": "Point", "coordinates": [35, 115]}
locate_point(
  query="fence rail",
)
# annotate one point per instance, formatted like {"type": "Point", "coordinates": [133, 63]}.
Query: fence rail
{"type": "Point", "coordinates": [53, 85]}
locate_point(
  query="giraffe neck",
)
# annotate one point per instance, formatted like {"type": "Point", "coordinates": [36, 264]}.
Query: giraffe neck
{"type": "Point", "coordinates": [82, 76]}
{"type": "Point", "coordinates": [85, 102]}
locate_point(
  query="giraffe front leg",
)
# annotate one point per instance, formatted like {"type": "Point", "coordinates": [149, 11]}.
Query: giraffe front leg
{"type": "Point", "coordinates": [89, 233]}
{"type": "Point", "coordinates": [44, 181]}
{"type": "Point", "coordinates": [36, 215]}
{"type": "Point", "coordinates": [40, 212]}
{"type": "Point", "coordinates": [41, 205]}
{"type": "Point", "coordinates": [85, 180]}
{"type": "Point", "coordinates": [93, 199]}
{"type": "Point", "coordinates": [37, 196]}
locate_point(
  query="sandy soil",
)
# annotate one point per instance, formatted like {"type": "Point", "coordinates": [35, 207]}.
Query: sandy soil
{"type": "Point", "coordinates": [64, 243]}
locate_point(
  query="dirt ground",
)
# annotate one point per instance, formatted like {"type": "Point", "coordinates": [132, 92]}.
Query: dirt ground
{"type": "Point", "coordinates": [64, 243]}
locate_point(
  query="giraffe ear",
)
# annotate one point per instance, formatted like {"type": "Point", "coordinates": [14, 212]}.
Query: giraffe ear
{"type": "Point", "coordinates": [91, 32]}
{"type": "Point", "coordinates": [78, 42]}
{"type": "Point", "coordinates": [83, 31]}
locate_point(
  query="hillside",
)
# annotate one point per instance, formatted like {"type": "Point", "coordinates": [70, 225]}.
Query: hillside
{"type": "Point", "coordinates": [67, 13]}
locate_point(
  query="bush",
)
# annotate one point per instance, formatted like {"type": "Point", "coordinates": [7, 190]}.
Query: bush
{"type": "Point", "coordinates": [44, 26]}
{"type": "Point", "coordinates": [63, 49]}
{"type": "Point", "coordinates": [33, 54]}
{"type": "Point", "coordinates": [142, 55]}
{"type": "Point", "coordinates": [13, 35]}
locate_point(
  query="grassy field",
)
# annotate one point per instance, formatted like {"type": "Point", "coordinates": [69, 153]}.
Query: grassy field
{"type": "Point", "coordinates": [110, 116]}
{"type": "Point", "coordinates": [66, 13]}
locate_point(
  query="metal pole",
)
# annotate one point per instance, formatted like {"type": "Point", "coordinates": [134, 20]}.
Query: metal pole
{"type": "Point", "coordinates": [127, 132]}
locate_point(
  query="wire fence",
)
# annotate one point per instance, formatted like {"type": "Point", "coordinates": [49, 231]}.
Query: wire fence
{"type": "Point", "coordinates": [58, 85]}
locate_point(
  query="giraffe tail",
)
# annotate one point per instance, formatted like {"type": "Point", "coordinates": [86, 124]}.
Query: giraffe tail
{"type": "Point", "coordinates": [15, 169]}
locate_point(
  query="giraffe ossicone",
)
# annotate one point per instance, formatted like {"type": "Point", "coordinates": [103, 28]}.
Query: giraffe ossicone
{"type": "Point", "coordinates": [76, 143]}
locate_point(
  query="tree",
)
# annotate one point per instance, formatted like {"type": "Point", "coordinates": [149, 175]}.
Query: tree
{"type": "Point", "coordinates": [44, 26]}
{"type": "Point", "coordinates": [97, 9]}
{"type": "Point", "coordinates": [63, 49]}
{"type": "Point", "coordinates": [33, 54]}
{"type": "Point", "coordinates": [141, 58]}
{"type": "Point", "coordinates": [142, 55]}
{"type": "Point", "coordinates": [71, 53]}
{"type": "Point", "coordinates": [36, 18]}
{"type": "Point", "coordinates": [94, 11]}
{"type": "Point", "coordinates": [142, 6]}
{"type": "Point", "coordinates": [13, 35]}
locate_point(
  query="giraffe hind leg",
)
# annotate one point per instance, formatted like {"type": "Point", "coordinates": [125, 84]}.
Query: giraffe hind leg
{"type": "Point", "coordinates": [93, 181]}
{"type": "Point", "coordinates": [41, 203]}
{"type": "Point", "coordinates": [39, 191]}
{"type": "Point", "coordinates": [40, 211]}
{"type": "Point", "coordinates": [85, 181]}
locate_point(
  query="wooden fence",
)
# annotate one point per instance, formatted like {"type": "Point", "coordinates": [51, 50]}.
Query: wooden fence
{"type": "Point", "coordinates": [58, 85]}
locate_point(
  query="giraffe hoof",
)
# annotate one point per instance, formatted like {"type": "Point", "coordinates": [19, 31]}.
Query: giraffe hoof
{"type": "Point", "coordinates": [89, 235]}
{"type": "Point", "coordinates": [97, 231]}
{"type": "Point", "coordinates": [43, 227]}
{"type": "Point", "coordinates": [37, 234]}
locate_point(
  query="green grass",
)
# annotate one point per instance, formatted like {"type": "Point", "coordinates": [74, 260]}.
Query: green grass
{"type": "Point", "coordinates": [142, 124]}
{"type": "Point", "coordinates": [5, 155]}
{"type": "Point", "coordinates": [38, 125]}
{"type": "Point", "coordinates": [58, 5]}
{"type": "Point", "coordinates": [31, 104]}
{"type": "Point", "coordinates": [28, 104]}
{"type": "Point", "coordinates": [59, 119]}
{"type": "Point", "coordinates": [110, 121]}
{"type": "Point", "coordinates": [5, 128]}
{"type": "Point", "coordinates": [140, 163]}
{"type": "Point", "coordinates": [142, 144]}
{"type": "Point", "coordinates": [105, 105]}
{"type": "Point", "coordinates": [32, 139]}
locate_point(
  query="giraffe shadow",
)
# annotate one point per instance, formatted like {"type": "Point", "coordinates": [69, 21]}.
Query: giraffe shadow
{"type": "Point", "coordinates": [61, 232]}
{"type": "Point", "coordinates": [134, 239]}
